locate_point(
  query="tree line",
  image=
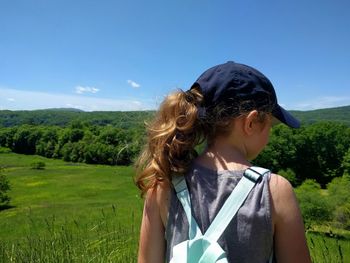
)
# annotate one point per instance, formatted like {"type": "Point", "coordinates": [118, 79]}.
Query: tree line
{"type": "Point", "coordinates": [124, 119]}
{"type": "Point", "coordinates": [79, 142]}
{"type": "Point", "coordinates": [63, 117]}
{"type": "Point", "coordinates": [314, 152]}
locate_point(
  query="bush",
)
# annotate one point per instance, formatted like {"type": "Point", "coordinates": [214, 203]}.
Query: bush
{"type": "Point", "coordinates": [339, 198]}
{"type": "Point", "coordinates": [5, 150]}
{"type": "Point", "coordinates": [4, 187]}
{"type": "Point", "coordinates": [313, 205]}
{"type": "Point", "coordinates": [341, 216]}
{"type": "Point", "coordinates": [38, 165]}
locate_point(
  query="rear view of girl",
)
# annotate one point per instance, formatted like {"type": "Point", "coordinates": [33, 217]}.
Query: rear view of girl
{"type": "Point", "coordinates": [231, 107]}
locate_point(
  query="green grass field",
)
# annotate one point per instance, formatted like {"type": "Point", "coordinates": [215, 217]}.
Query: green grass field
{"type": "Point", "coordinates": [87, 210]}
{"type": "Point", "coordinates": [72, 212]}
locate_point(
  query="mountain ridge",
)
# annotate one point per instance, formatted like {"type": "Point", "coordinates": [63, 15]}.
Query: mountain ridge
{"type": "Point", "coordinates": [64, 116]}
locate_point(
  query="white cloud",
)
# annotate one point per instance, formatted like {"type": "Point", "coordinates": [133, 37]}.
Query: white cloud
{"type": "Point", "coordinates": [322, 102]}
{"type": "Point", "coordinates": [10, 99]}
{"type": "Point", "coordinates": [81, 89]}
{"type": "Point", "coordinates": [30, 100]}
{"type": "Point", "coordinates": [133, 84]}
{"type": "Point", "coordinates": [136, 102]}
{"type": "Point", "coordinates": [68, 105]}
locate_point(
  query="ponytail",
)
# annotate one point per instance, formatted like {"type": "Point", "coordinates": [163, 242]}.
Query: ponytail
{"type": "Point", "coordinates": [172, 137]}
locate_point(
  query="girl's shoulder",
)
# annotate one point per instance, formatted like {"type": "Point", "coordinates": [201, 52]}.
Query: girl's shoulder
{"type": "Point", "coordinates": [289, 232]}
{"type": "Point", "coordinates": [283, 198]}
{"type": "Point", "coordinates": [158, 198]}
{"type": "Point", "coordinates": [280, 187]}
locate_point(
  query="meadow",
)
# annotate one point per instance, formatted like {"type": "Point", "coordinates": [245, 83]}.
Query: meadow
{"type": "Point", "coordinates": [68, 212]}
{"type": "Point", "coordinates": [74, 212]}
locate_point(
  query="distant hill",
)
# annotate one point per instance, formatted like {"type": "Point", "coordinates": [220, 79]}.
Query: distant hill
{"type": "Point", "coordinates": [339, 114]}
{"type": "Point", "coordinates": [63, 109]}
{"type": "Point", "coordinates": [63, 116]}
{"type": "Point", "coordinates": [124, 119]}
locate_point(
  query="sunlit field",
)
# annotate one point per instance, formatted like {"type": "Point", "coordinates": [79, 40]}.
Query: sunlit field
{"type": "Point", "coordinates": [68, 212]}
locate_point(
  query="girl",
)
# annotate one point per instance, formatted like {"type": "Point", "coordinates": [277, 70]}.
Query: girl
{"type": "Point", "coordinates": [232, 108]}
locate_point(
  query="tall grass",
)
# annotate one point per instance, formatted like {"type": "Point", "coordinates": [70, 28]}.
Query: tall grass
{"type": "Point", "coordinates": [328, 249]}
{"type": "Point", "coordinates": [108, 240]}
{"type": "Point", "coordinates": [104, 240]}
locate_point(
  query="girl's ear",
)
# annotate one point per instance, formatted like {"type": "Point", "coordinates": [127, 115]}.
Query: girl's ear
{"type": "Point", "coordinates": [250, 121]}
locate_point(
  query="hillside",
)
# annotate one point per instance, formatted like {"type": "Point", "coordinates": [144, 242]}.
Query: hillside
{"type": "Point", "coordinates": [339, 114]}
{"type": "Point", "coordinates": [123, 119]}
{"type": "Point", "coordinates": [62, 117]}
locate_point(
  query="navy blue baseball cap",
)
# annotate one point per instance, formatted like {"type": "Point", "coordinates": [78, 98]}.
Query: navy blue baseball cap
{"type": "Point", "coordinates": [233, 83]}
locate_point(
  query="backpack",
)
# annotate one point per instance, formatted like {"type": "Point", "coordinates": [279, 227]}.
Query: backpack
{"type": "Point", "coordinates": [203, 248]}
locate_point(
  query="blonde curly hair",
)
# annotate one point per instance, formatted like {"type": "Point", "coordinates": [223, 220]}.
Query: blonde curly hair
{"type": "Point", "coordinates": [173, 135]}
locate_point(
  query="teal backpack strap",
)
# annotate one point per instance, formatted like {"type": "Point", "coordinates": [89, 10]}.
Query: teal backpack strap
{"type": "Point", "coordinates": [182, 193]}
{"type": "Point", "coordinates": [234, 202]}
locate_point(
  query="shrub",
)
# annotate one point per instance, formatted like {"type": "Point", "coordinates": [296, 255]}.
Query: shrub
{"type": "Point", "coordinates": [4, 150]}
{"type": "Point", "coordinates": [38, 165]}
{"type": "Point", "coordinates": [341, 216]}
{"type": "Point", "coordinates": [313, 205]}
{"type": "Point", "coordinates": [339, 197]}
{"type": "Point", "coordinates": [4, 187]}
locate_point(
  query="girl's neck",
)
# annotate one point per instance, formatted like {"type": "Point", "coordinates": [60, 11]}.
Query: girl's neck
{"type": "Point", "coordinates": [222, 156]}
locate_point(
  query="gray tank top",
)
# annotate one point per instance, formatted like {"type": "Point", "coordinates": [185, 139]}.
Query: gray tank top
{"type": "Point", "coordinates": [248, 237]}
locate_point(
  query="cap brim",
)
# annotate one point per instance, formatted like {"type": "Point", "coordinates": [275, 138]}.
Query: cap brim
{"type": "Point", "coordinates": [285, 117]}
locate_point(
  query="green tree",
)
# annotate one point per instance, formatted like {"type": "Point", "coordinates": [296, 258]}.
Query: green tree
{"type": "Point", "coordinates": [76, 135]}
{"type": "Point", "coordinates": [65, 136]}
{"type": "Point", "coordinates": [346, 162]}
{"type": "Point", "coordinates": [66, 151]}
{"type": "Point", "coordinates": [47, 143]}
{"type": "Point", "coordinates": [25, 139]}
{"type": "Point", "coordinates": [4, 187]}
{"type": "Point", "coordinates": [312, 152]}
{"type": "Point", "coordinates": [281, 152]}
{"type": "Point", "coordinates": [6, 136]}
{"type": "Point", "coordinates": [329, 142]}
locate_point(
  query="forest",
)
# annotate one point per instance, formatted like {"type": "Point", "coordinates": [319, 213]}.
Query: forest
{"type": "Point", "coordinates": [76, 143]}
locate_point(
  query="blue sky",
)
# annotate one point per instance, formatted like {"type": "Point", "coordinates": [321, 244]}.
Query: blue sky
{"type": "Point", "coordinates": [127, 55]}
